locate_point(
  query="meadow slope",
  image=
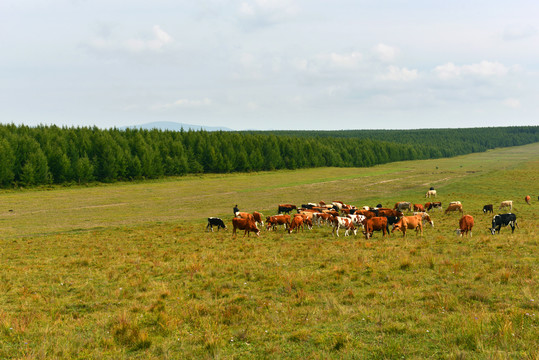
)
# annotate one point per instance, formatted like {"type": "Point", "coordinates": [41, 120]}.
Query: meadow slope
{"type": "Point", "coordinates": [127, 270]}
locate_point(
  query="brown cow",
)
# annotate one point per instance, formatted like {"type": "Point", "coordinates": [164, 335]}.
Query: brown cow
{"type": "Point", "coordinates": [244, 224]}
{"type": "Point", "coordinates": [376, 223]}
{"type": "Point", "coordinates": [297, 222]}
{"type": "Point", "coordinates": [322, 217]}
{"type": "Point", "coordinates": [245, 215]}
{"type": "Point", "coordinates": [453, 207]}
{"type": "Point", "coordinates": [409, 222]}
{"type": "Point", "coordinates": [389, 212]}
{"type": "Point", "coordinates": [465, 224]}
{"type": "Point", "coordinates": [272, 221]}
{"type": "Point", "coordinates": [367, 213]}
{"type": "Point", "coordinates": [527, 199]}
{"type": "Point", "coordinates": [258, 218]}
{"type": "Point", "coordinates": [425, 217]}
{"type": "Point", "coordinates": [419, 208]}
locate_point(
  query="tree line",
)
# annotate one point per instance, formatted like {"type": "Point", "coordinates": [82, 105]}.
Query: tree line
{"type": "Point", "coordinates": [51, 154]}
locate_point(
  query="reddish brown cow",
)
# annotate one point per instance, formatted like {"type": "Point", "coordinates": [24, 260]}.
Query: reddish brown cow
{"type": "Point", "coordinates": [272, 221]}
{"type": "Point", "coordinates": [527, 199]}
{"type": "Point", "coordinates": [376, 223]}
{"type": "Point", "coordinates": [409, 222]}
{"type": "Point", "coordinates": [244, 224]}
{"type": "Point", "coordinates": [389, 212]}
{"type": "Point", "coordinates": [245, 215]}
{"type": "Point", "coordinates": [297, 222]}
{"type": "Point", "coordinates": [465, 224]}
{"type": "Point", "coordinates": [258, 217]}
{"type": "Point", "coordinates": [419, 208]}
{"type": "Point", "coordinates": [367, 213]}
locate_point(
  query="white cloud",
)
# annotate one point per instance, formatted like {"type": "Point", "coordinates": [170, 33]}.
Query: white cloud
{"type": "Point", "coordinates": [484, 68]}
{"type": "Point", "coordinates": [512, 103]}
{"type": "Point", "coordinates": [330, 62]}
{"type": "Point", "coordinates": [156, 42]}
{"type": "Point", "coordinates": [400, 74]}
{"type": "Point", "coordinates": [518, 32]}
{"type": "Point", "coordinates": [266, 12]}
{"type": "Point", "coordinates": [184, 103]}
{"type": "Point", "coordinates": [385, 52]}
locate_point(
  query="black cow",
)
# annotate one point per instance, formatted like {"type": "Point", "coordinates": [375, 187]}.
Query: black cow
{"type": "Point", "coordinates": [215, 221]}
{"type": "Point", "coordinates": [390, 221]}
{"type": "Point", "coordinates": [285, 209]}
{"type": "Point", "coordinates": [503, 220]}
{"type": "Point", "coordinates": [487, 208]}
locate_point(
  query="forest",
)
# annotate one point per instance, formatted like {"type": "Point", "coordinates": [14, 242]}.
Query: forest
{"type": "Point", "coordinates": [62, 155]}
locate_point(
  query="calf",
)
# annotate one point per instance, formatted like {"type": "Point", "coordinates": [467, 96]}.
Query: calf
{"type": "Point", "coordinates": [215, 221]}
{"type": "Point", "coordinates": [272, 221]}
{"type": "Point", "coordinates": [343, 222]}
{"type": "Point", "coordinates": [409, 222]}
{"type": "Point", "coordinates": [466, 224]}
{"type": "Point", "coordinates": [506, 203]}
{"type": "Point", "coordinates": [375, 224]}
{"type": "Point", "coordinates": [503, 220]}
{"type": "Point", "coordinates": [244, 224]}
{"type": "Point", "coordinates": [419, 208]}
{"type": "Point", "coordinates": [487, 208]}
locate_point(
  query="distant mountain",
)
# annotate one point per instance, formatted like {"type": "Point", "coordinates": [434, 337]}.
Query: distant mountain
{"type": "Point", "coordinates": [174, 126]}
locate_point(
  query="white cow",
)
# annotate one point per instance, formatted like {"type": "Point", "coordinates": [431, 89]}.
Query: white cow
{"type": "Point", "coordinates": [507, 203]}
{"type": "Point", "coordinates": [343, 222]}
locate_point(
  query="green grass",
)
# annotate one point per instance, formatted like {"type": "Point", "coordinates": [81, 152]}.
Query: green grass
{"type": "Point", "coordinates": [127, 271]}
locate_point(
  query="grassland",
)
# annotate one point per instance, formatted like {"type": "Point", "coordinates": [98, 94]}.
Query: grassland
{"type": "Point", "coordinates": [127, 271]}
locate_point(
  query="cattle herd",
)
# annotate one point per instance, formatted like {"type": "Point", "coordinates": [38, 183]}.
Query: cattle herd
{"type": "Point", "coordinates": [338, 215]}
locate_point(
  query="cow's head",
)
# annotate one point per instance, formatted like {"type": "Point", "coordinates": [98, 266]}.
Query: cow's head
{"type": "Point", "coordinates": [492, 230]}
{"type": "Point", "coordinates": [458, 232]}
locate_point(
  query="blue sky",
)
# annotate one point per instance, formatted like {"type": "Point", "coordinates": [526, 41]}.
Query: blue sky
{"type": "Point", "coordinates": [270, 64]}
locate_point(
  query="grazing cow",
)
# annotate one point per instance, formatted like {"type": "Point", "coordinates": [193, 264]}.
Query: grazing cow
{"type": "Point", "coordinates": [391, 220]}
{"type": "Point", "coordinates": [318, 218]}
{"type": "Point", "coordinates": [215, 221]}
{"type": "Point", "coordinates": [286, 208]}
{"type": "Point", "coordinates": [389, 212]}
{"type": "Point", "coordinates": [488, 208]}
{"type": "Point", "coordinates": [433, 205]}
{"type": "Point", "coordinates": [245, 215]}
{"type": "Point", "coordinates": [343, 222]}
{"type": "Point", "coordinates": [527, 199]}
{"type": "Point", "coordinates": [358, 219]}
{"type": "Point", "coordinates": [409, 222]}
{"type": "Point", "coordinates": [258, 218]}
{"type": "Point", "coordinates": [367, 213]}
{"type": "Point", "coordinates": [506, 203]}
{"type": "Point", "coordinates": [419, 208]}
{"type": "Point", "coordinates": [425, 217]}
{"type": "Point", "coordinates": [378, 223]}
{"type": "Point", "coordinates": [272, 221]}
{"type": "Point", "coordinates": [402, 205]}
{"type": "Point", "coordinates": [244, 224]}
{"type": "Point", "coordinates": [307, 218]}
{"type": "Point", "coordinates": [465, 224]}
{"type": "Point", "coordinates": [453, 207]}
{"type": "Point", "coordinates": [296, 223]}
{"type": "Point", "coordinates": [430, 193]}
{"type": "Point", "coordinates": [503, 220]}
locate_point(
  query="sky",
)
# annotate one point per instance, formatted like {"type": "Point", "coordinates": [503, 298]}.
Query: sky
{"type": "Point", "coordinates": [270, 64]}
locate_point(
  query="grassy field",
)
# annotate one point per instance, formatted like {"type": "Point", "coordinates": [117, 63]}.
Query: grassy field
{"type": "Point", "coordinates": [127, 270]}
